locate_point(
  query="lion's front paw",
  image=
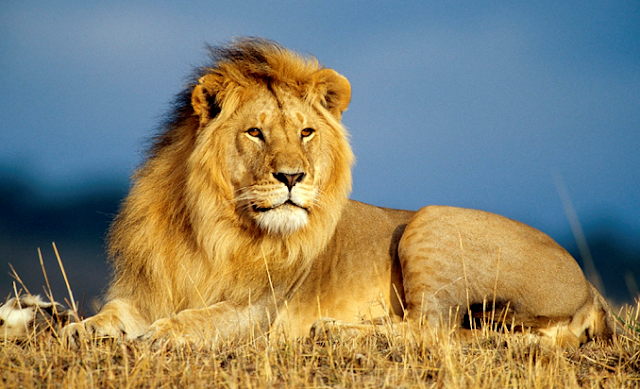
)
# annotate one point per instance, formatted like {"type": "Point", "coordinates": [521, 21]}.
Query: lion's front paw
{"type": "Point", "coordinates": [96, 327]}
{"type": "Point", "coordinates": [73, 334]}
{"type": "Point", "coordinates": [163, 333]}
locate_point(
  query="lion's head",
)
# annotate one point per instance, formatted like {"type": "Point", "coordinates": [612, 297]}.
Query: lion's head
{"type": "Point", "coordinates": [254, 164]}
{"type": "Point", "coordinates": [276, 116]}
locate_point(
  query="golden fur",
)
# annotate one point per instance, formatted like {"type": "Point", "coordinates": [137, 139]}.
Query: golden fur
{"type": "Point", "coordinates": [240, 219]}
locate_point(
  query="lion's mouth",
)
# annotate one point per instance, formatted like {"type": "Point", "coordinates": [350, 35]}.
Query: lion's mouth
{"type": "Point", "coordinates": [288, 202]}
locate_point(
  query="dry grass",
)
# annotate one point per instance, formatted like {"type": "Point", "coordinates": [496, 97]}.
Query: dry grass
{"type": "Point", "coordinates": [374, 360]}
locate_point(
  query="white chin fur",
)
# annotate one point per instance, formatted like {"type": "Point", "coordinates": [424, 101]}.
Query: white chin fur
{"type": "Point", "coordinates": [284, 220]}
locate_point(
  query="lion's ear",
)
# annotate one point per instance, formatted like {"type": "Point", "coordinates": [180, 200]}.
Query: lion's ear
{"type": "Point", "coordinates": [203, 97]}
{"type": "Point", "coordinates": [334, 90]}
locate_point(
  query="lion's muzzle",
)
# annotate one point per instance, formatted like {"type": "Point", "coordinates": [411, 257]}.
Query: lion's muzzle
{"type": "Point", "coordinates": [289, 179]}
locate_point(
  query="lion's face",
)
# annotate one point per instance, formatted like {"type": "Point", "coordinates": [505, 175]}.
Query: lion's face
{"type": "Point", "coordinates": [280, 169]}
{"type": "Point", "coordinates": [280, 156]}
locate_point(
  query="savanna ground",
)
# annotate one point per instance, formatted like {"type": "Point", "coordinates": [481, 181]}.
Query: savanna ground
{"type": "Point", "coordinates": [375, 360]}
{"type": "Point", "coordinates": [491, 359]}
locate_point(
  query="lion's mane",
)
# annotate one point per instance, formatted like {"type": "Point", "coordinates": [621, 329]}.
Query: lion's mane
{"type": "Point", "coordinates": [178, 239]}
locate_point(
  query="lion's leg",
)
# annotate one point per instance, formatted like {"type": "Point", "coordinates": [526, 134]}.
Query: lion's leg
{"type": "Point", "coordinates": [211, 325]}
{"type": "Point", "coordinates": [593, 320]}
{"type": "Point", "coordinates": [117, 319]}
{"type": "Point", "coordinates": [478, 262]}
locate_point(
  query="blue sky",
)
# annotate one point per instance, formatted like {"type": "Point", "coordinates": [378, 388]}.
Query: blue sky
{"type": "Point", "coordinates": [461, 103]}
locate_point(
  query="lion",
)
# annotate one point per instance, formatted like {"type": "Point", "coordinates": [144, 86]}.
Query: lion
{"type": "Point", "coordinates": [240, 221]}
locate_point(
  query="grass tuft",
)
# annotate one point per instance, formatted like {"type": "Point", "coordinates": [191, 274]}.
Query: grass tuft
{"type": "Point", "coordinates": [376, 360]}
{"type": "Point", "coordinates": [369, 361]}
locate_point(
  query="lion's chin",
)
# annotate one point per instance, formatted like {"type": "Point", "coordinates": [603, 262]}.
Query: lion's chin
{"type": "Point", "coordinates": [283, 220]}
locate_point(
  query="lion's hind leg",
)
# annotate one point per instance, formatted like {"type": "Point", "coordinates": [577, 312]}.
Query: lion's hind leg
{"type": "Point", "coordinates": [593, 320]}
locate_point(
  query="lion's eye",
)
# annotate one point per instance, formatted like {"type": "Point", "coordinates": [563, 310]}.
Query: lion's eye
{"type": "Point", "coordinates": [254, 132]}
{"type": "Point", "coordinates": [307, 132]}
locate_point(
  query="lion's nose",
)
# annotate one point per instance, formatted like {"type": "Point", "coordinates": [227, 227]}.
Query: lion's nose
{"type": "Point", "coordinates": [289, 179]}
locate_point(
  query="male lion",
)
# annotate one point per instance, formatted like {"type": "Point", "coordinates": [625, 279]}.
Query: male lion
{"type": "Point", "coordinates": [240, 220]}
